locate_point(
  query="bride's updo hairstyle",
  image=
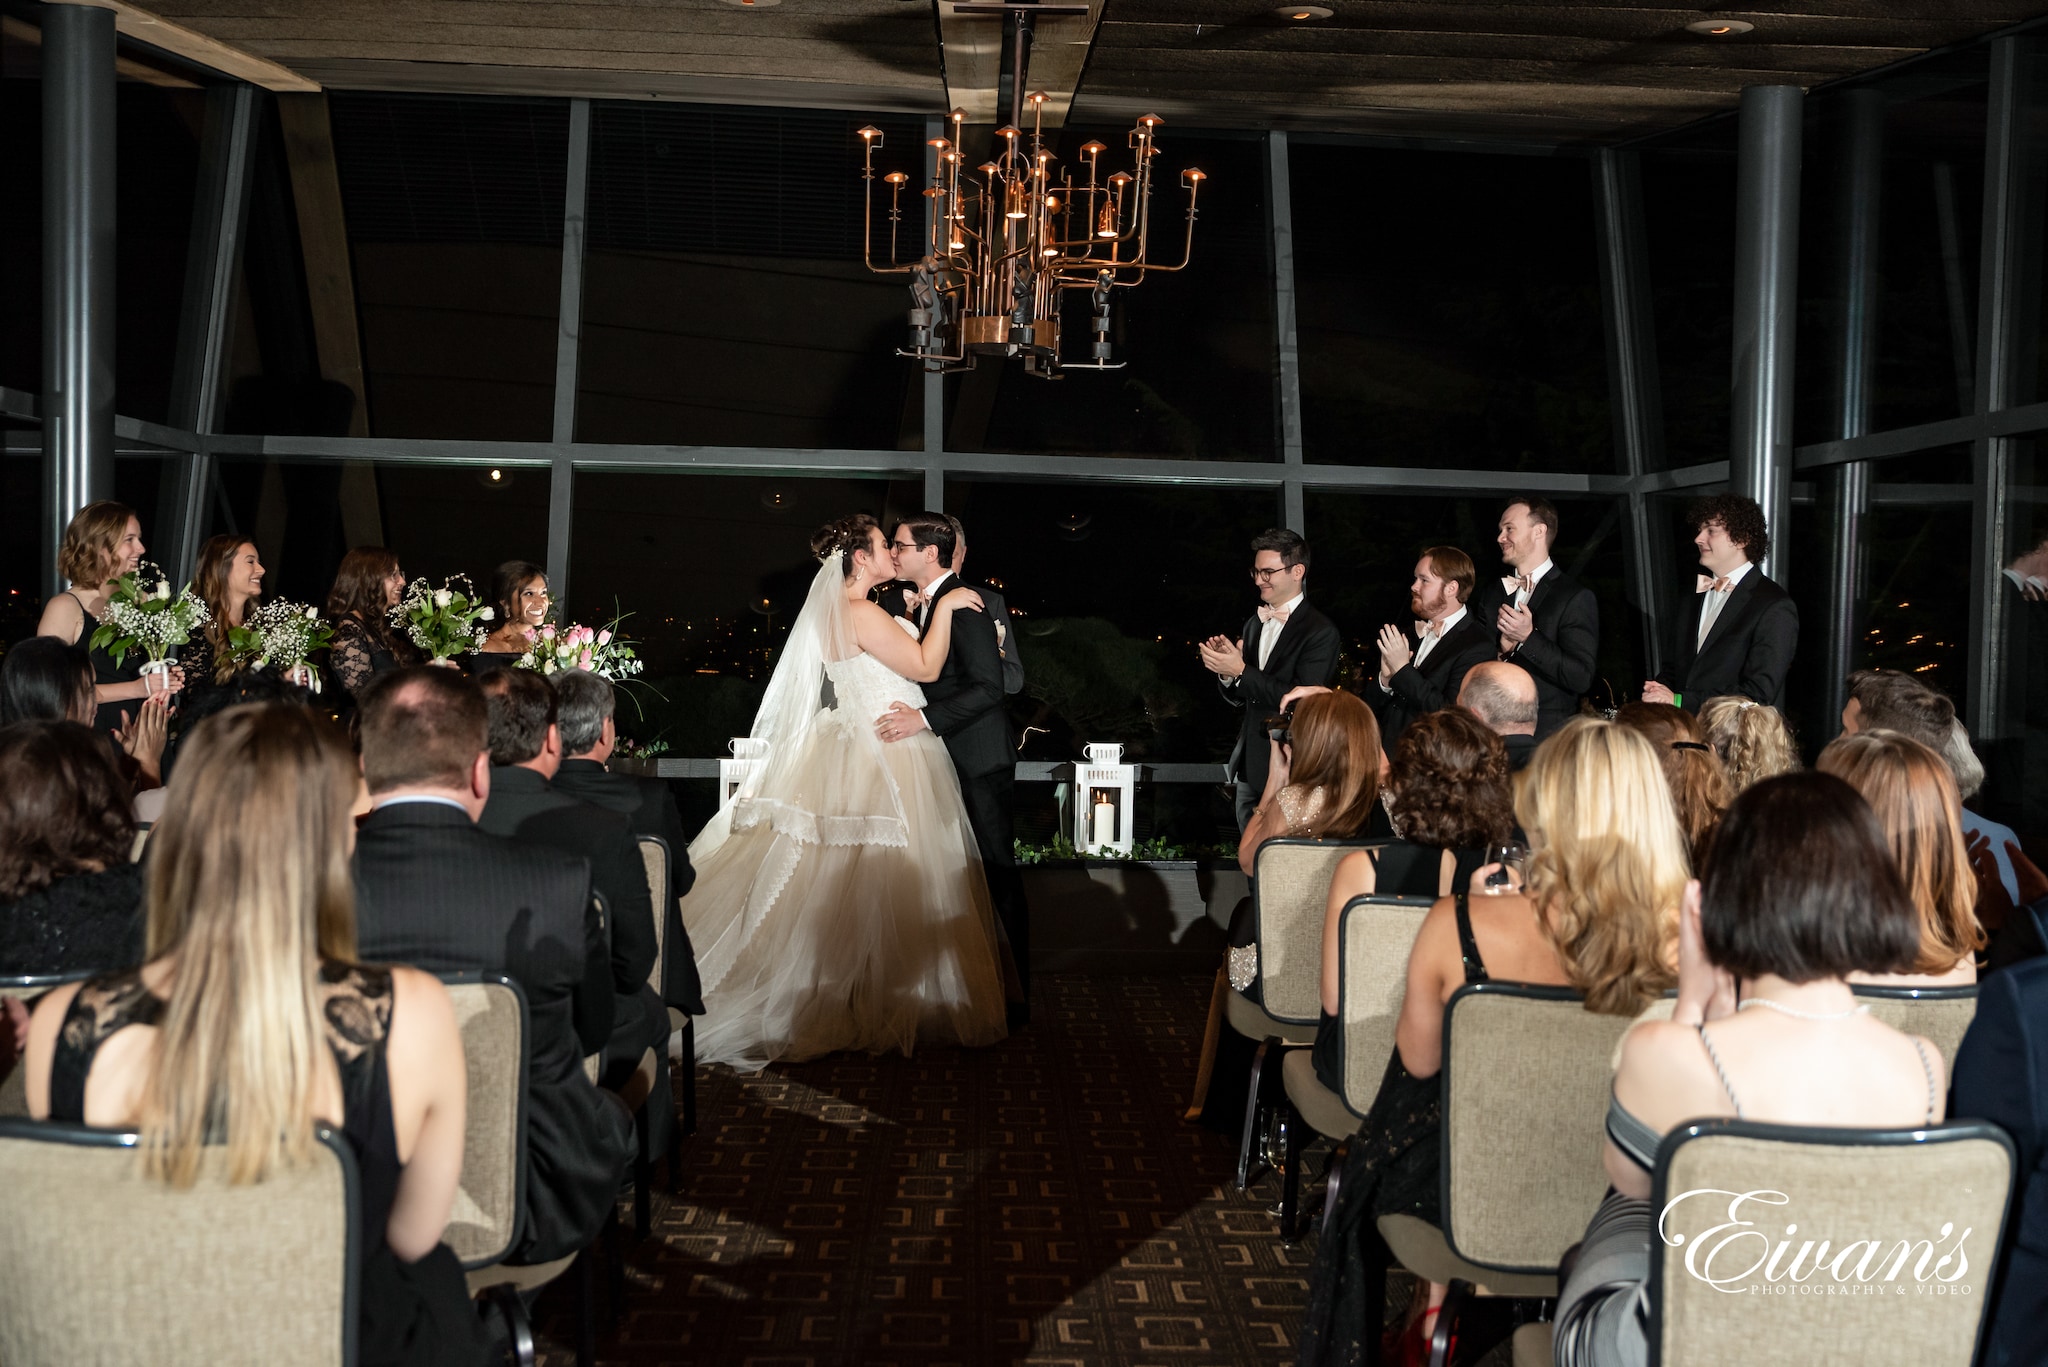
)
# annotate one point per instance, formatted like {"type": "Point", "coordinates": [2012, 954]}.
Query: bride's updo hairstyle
{"type": "Point", "coordinates": [848, 534]}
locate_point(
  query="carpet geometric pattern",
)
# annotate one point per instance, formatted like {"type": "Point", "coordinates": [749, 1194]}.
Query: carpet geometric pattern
{"type": "Point", "coordinates": [1040, 1202]}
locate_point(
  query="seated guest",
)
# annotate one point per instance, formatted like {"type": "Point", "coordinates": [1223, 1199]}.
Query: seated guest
{"type": "Point", "coordinates": [1798, 899]}
{"type": "Point", "coordinates": [1910, 789]}
{"type": "Point", "coordinates": [70, 897]}
{"type": "Point", "coordinates": [526, 750]}
{"type": "Point", "coordinates": [519, 591]}
{"type": "Point", "coordinates": [1504, 697]}
{"type": "Point", "coordinates": [434, 891]}
{"type": "Point", "coordinates": [1452, 799]}
{"type": "Point", "coordinates": [253, 1022]}
{"type": "Point", "coordinates": [42, 679]}
{"type": "Point", "coordinates": [227, 577]}
{"type": "Point", "coordinates": [1598, 911]}
{"type": "Point", "coordinates": [1699, 785]}
{"type": "Point", "coordinates": [102, 543]}
{"type": "Point", "coordinates": [365, 644]}
{"type": "Point", "coordinates": [583, 711]}
{"type": "Point", "coordinates": [1751, 738]}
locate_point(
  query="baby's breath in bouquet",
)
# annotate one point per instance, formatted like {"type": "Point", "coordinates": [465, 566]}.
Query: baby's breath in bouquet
{"type": "Point", "coordinates": [443, 621]}
{"type": "Point", "coordinates": [282, 636]}
{"type": "Point", "coordinates": [141, 614]}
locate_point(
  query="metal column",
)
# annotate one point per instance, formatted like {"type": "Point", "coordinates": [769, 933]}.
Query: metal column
{"type": "Point", "coordinates": [568, 337]}
{"type": "Point", "coordinates": [1632, 382]}
{"type": "Point", "coordinates": [1287, 380]}
{"type": "Point", "coordinates": [1766, 303]}
{"type": "Point", "coordinates": [78, 267]}
{"type": "Point", "coordinates": [220, 213]}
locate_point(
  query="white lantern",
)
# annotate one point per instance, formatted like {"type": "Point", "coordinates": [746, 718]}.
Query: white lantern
{"type": "Point", "coordinates": [1104, 797]}
{"type": "Point", "coordinates": [748, 755]}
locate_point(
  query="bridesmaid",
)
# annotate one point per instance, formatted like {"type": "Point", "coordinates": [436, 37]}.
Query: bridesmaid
{"type": "Point", "coordinates": [520, 591]}
{"type": "Point", "coordinates": [365, 644]}
{"type": "Point", "coordinates": [228, 576]}
{"type": "Point", "coordinates": [103, 542]}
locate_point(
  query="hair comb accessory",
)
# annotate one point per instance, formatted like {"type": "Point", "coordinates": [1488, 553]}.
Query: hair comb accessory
{"type": "Point", "coordinates": [1689, 745]}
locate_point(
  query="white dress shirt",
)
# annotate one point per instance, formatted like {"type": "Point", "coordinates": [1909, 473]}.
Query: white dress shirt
{"type": "Point", "coordinates": [1443, 629]}
{"type": "Point", "coordinates": [1520, 594]}
{"type": "Point", "coordinates": [1269, 632]}
{"type": "Point", "coordinates": [1710, 611]}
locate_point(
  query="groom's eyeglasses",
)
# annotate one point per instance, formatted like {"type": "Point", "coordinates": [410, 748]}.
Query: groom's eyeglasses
{"type": "Point", "coordinates": [902, 545]}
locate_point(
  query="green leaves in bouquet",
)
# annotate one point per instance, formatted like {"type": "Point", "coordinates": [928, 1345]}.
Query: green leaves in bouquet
{"type": "Point", "coordinates": [442, 622]}
{"type": "Point", "coordinates": [142, 613]}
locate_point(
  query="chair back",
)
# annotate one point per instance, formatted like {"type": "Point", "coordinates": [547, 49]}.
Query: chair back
{"type": "Point", "coordinates": [1525, 1084]}
{"type": "Point", "coordinates": [100, 1264]}
{"type": "Point", "coordinates": [490, 1204]}
{"type": "Point", "coordinates": [1375, 938]}
{"type": "Point", "coordinates": [138, 845]}
{"type": "Point", "coordinates": [1898, 1235]}
{"type": "Point", "coordinates": [1942, 1014]}
{"type": "Point", "coordinates": [1290, 895]}
{"type": "Point", "coordinates": [655, 855]}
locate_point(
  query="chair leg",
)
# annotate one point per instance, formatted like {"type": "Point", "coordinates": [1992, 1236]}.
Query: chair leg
{"type": "Point", "coordinates": [1443, 1339]}
{"type": "Point", "coordinates": [1248, 1147]}
{"type": "Point", "coordinates": [518, 1327]}
{"type": "Point", "coordinates": [1333, 1181]}
{"type": "Point", "coordinates": [1377, 1259]}
{"type": "Point", "coordinates": [586, 1308]}
{"type": "Point", "coordinates": [643, 1172]}
{"type": "Point", "coordinates": [1290, 1180]}
{"type": "Point", "coordinates": [689, 1075]}
{"type": "Point", "coordinates": [615, 1266]}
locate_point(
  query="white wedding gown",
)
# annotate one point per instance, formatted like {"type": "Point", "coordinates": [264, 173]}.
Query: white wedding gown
{"type": "Point", "coordinates": [839, 901]}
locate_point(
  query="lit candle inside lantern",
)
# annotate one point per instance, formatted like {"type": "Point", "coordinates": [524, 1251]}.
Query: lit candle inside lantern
{"type": "Point", "coordinates": [1105, 822]}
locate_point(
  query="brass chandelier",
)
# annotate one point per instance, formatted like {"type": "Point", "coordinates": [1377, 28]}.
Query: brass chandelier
{"type": "Point", "coordinates": [1001, 251]}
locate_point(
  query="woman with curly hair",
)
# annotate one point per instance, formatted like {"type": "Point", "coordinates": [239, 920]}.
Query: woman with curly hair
{"type": "Point", "coordinates": [1699, 785]}
{"type": "Point", "coordinates": [366, 588]}
{"type": "Point", "coordinates": [1598, 912]}
{"type": "Point", "coordinates": [1753, 740]}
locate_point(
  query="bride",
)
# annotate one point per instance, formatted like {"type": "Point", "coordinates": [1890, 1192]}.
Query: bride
{"type": "Point", "coordinates": [839, 901]}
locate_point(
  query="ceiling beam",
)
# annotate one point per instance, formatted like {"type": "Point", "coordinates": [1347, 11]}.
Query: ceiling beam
{"type": "Point", "coordinates": [132, 21]}
{"type": "Point", "coordinates": [972, 43]}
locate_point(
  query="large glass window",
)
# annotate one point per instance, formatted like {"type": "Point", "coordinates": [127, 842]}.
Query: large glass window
{"type": "Point", "coordinates": [1450, 310]}
{"type": "Point", "coordinates": [158, 121]}
{"type": "Point", "coordinates": [1689, 217]}
{"type": "Point", "coordinates": [273, 377]}
{"type": "Point", "coordinates": [21, 549]}
{"type": "Point", "coordinates": [724, 299]}
{"type": "Point", "coordinates": [454, 213]}
{"type": "Point", "coordinates": [1196, 346]}
{"type": "Point", "coordinates": [21, 227]}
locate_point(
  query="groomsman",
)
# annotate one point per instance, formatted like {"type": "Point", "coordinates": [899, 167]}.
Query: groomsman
{"type": "Point", "coordinates": [1421, 672]}
{"type": "Point", "coordinates": [1548, 623]}
{"type": "Point", "coordinates": [1285, 644]}
{"type": "Point", "coordinates": [1739, 631]}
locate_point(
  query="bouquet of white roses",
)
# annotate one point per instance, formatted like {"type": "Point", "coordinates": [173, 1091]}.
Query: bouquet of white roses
{"type": "Point", "coordinates": [443, 621]}
{"type": "Point", "coordinates": [141, 613]}
{"type": "Point", "coordinates": [283, 635]}
{"type": "Point", "coordinates": [600, 650]}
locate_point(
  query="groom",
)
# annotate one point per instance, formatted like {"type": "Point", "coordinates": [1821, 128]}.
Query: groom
{"type": "Point", "coordinates": [964, 706]}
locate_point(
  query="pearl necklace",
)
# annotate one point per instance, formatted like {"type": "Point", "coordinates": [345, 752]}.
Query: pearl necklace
{"type": "Point", "coordinates": [1797, 1014]}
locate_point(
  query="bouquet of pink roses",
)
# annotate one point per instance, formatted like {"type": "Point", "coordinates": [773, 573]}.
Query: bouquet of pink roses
{"type": "Point", "coordinates": [600, 650]}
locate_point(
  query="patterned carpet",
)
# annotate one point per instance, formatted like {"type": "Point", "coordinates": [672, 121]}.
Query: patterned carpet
{"type": "Point", "coordinates": [1036, 1203]}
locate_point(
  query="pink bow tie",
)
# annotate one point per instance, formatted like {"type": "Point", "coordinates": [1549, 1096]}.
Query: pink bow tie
{"type": "Point", "coordinates": [1517, 582]}
{"type": "Point", "coordinates": [912, 600]}
{"type": "Point", "coordinates": [1428, 631]}
{"type": "Point", "coordinates": [1708, 583]}
{"type": "Point", "coordinates": [1267, 614]}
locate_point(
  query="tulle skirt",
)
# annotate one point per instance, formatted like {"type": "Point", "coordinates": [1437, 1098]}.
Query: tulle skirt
{"type": "Point", "coordinates": [821, 927]}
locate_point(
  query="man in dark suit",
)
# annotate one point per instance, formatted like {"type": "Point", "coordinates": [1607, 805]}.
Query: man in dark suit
{"type": "Point", "coordinates": [1284, 645]}
{"type": "Point", "coordinates": [1503, 696]}
{"type": "Point", "coordinates": [1548, 623]}
{"type": "Point", "coordinates": [526, 750]}
{"type": "Point", "coordinates": [584, 706]}
{"type": "Point", "coordinates": [435, 892]}
{"type": "Point", "coordinates": [1737, 631]}
{"type": "Point", "coordinates": [901, 600]}
{"type": "Point", "coordinates": [1421, 672]}
{"type": "Point", "coordinates": [964, 706]}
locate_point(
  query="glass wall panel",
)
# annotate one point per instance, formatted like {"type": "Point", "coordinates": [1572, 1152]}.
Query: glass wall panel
{"type": "Point", "coordinates": [454, 213]}
{"type": "Point", "coordinates": [1689, 218]}
{"type": "Point", "coordinates": [1450, 310]}
{"type": "Point", "coordinates": [158, 121]}
{"type": "Point", "coordinates": [724, 299]}
{"type": "Point", "coordinates": [273, 382]}
{"type": "Point", "coordinates": [1365, 546]}
{"type": "Point", "coordinates": [441, 520]}
{"type": "Point", "coordinates": [2016, 759]}
{"type": "Point", "coordinates": [21, 187]}
{"type": "Point", "coordinates": [21, 550]}
{"type": "Point", "coordinates": [1197, 345]}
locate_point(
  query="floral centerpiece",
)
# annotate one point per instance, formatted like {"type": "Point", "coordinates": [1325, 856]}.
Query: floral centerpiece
{"type": "Point", "coordinates": [141, 614]}
{"type": "Point", "coordinates": [284, 636]}
{"type": "Point", "coordinates": [442, 622]}
{"type": "Point", "coordinates": [600, 650]}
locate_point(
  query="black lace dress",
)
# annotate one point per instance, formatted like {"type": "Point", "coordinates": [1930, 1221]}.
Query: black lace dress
{"type": "Point", "coordinates": [86, 923]}
{"type": "Point", "coordinates": [1393, 1170]}
{"type": "Point", "coordinates": [411, 1313]}
{"type": "Point", "coordinates": [356, 654]}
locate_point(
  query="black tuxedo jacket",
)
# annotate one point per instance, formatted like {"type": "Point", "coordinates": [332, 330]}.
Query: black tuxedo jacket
{"type": "Point", "coordinates": [1749, 651]}
{"type": "Point", "coordinates": [435, 892]}
{"type": "Point", "coordinates": [523, 806]}
{"type": "Point", "coordinates": [1561, 652]}
{"type": "Point", "coordinates": [650, 809]}
{"type": "Point", "coordinates": [1306, 653]}
{"type": "Point", "coordinates": [1432, 685]}
{"type": "Point", "coordinates": [964, 705]}
{"type": "Point", "coordinates": [891, 600]}
{"type": "Point", "coordinates": [1521, 749]}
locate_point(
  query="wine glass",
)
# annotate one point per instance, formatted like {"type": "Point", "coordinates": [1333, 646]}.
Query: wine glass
{"type": "Point", "coordinates": [1506, 859]}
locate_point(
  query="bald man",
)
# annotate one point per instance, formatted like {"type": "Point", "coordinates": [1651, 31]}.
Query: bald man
{"type": "Point", "coordinates": [1504, 697]}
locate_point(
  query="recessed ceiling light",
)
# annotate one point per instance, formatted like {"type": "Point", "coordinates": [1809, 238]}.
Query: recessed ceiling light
{"type": "Point", "coordinates": [1720, 28]}
{"type": "Point", "coordinates": [1301, 14]}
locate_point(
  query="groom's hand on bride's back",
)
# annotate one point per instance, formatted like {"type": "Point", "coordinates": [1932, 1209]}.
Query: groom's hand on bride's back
{"type": "Point", "coordinates": [899, 722]}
